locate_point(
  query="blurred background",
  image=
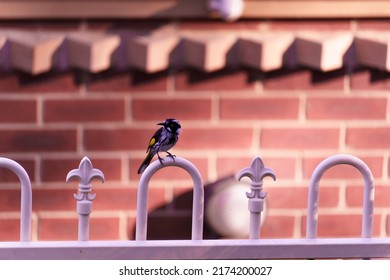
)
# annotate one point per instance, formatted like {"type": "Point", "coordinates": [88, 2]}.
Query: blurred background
{"type": "Point", "coordinates": [293, 84]}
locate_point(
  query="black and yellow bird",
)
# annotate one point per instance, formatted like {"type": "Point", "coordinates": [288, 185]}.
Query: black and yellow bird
{"type": "Point", "coordinates": [163, 140]}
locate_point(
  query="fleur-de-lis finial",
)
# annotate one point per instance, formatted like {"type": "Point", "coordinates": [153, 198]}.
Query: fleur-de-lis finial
{"type": "Point", "coordinates": [85, 174]}
{"type": "Point", "coordinates": [256, 172]}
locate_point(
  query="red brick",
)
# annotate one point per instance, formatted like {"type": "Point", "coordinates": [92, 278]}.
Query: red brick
{"type": "Point", "coordinates": [220, 25]}
{"type": "Point", "coordinates": [112, 198]}
{"type": "Point", "coordinates": [57, 229]}
{"type": "Point", "coordinates": [117, 139]}
{"type": "Point", "coordinates": [368, 137]}
{"type": "Point", "coordinates": [9, 230]}
{"type": "Point", "coordinates": [50, 82]}
{"type": "Point", "coordinates": [20, 24]}
{"type": "Point", "coordinates": [39, 25]}
{"type": "Point", "coordinates": [226, 79]}
{"type": "Point", "coordinates": [181, 109]}
{"type": "Point", "coordinates": [7, 176]}
{"type": "Point", "coordinates": [9, 200]}
{"type": "Point", "coordinates": [108, 25]}
{"type": "Point", "coordinates": [38, 140]}
{"type": "Point", "coordinates": [84, 110]}
{"type": "Point", "coordinates": [216, 138]}
{"type": "Point", "coordinates": [277, 227]}
{"type": "Point", "coordinates": [300, 138]}
{"type": "Point", "coordinates": [346, 108]}
{"type": "Point", "coordinates": [303, 79]}
{"type": "Point", "coordinates": [258, 109]}
{"type": "Point", "coordinates": [373, 24]}
{"type": "Point", "coordinates": [228, 166]}
{"type": "Point", "coordinates": [124, 81]}
{"type": "Point", "coordinates": [55, 170]}
{"type": "Point", "coordinates": [283, 167]}
{"type": "Point", "coordinates": [354, 196]}
{"type": "Point", "coordinates": [340, 225]}
{"type": "Point", "coordinates": [15, 111]}
{"type": "Point", "coordinates": [117, 199]}
{"type": "Point", "coordinates": [66, 229]}
{"type": "Point", "coordinates": [372, 80]}
{"type": "Point", "coordinates": [54, 199]}
{"type": "Point", "coordinates": [296, 197]}
{"type": "Point", "coordinates": [126, 199]}
{"type": "Point", "coordinates": [137, 139]}
{"type": "Point", "coordinates": [388, 169]}
{"type": "Point", "coordinates": [171, 173]}
{"type": "Point", "coordinates": [388, 225]}
{"type": "Point", "coordinates": [343, 171]}
{"type": "Point", "coordinates": [312, 25]}
{"type": "Point", "coordinates": [104, 228]}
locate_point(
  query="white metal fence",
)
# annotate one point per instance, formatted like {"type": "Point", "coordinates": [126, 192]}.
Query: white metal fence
{"type": "Point", "coordinates": [197, 248]}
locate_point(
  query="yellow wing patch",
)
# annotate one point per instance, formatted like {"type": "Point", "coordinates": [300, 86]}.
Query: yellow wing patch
{"type": "Point", "coordinates": [152, 142]}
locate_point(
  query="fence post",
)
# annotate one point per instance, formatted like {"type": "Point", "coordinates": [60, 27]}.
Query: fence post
{"type": "Point", "coordinates": [256, 172]}
{"type": "Point", "coordinates": [313, 195]}
{"type": "Point", "coordinates": [84, 174]}
{"type": "Point", "coordinates": [26, 197]}
{"type": "Point", "coordinates": [198, 196]}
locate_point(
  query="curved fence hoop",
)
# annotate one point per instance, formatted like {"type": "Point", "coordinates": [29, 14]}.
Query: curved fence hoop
{"type": "Point", "coordinates": [26, 196]}
{"type": "Point", "coordinates": [368, 198]}
{"type": "Point", "coordinates": [198, 196]}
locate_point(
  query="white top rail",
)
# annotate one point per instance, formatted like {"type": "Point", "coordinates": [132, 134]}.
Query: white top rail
{"type": "Point", "coordinates": [198, 196]}
{"type": "Point", "coordinates": [26, 196]}
{"type": "Point", "coordinates": [330, 248]}
{"type": "Point", "coordinates": [368, 199]}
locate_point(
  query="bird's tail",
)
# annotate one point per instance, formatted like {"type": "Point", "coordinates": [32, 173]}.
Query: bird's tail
{"type": "Point", "coordinates": [145, 163]}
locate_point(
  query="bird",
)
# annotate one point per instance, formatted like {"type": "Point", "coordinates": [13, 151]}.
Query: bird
{"type": "Point", "coordinates": [163, 140]}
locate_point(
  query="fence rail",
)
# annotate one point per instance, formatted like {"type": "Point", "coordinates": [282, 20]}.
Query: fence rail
{"type": "Point", "coordinates": [200, 249]}
{"type": "Point", "coordinates": [197, 248]}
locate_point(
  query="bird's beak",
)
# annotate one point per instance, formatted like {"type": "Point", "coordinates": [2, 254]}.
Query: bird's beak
{"type": "Point", "coordinates": [161, 123]}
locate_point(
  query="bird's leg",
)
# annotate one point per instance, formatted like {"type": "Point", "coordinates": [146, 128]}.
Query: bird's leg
{"type": "Point", "coordinates": [171, 156]}
{"type": "Point", "coordinates": [160, 159]}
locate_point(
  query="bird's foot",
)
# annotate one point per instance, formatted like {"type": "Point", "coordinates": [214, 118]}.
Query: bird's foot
{"type": "Point", "coordinates": [171, 156]}
{"type": "Point", "coordinates": [160, 159]}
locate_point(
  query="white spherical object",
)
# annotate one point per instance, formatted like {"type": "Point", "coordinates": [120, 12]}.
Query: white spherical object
{"type": "Point", "coordinates": [227, 211]}
{"type": "Point", "coordinates": [230, 10]}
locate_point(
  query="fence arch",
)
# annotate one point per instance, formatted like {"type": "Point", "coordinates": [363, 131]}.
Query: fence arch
{"type": "Point", "coordinates": [198, 196]}
{"type": "Point", "coordinates": [313, 195]}
{"type": "Point", "coordinates": [26, 196]}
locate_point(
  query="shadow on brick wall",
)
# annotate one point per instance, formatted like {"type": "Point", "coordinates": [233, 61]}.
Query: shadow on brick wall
{"type": "Point", "coordinates": [173, 221]}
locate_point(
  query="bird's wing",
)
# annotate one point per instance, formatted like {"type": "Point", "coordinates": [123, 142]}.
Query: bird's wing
{"type": "Point", "coordinates": [154, 139]}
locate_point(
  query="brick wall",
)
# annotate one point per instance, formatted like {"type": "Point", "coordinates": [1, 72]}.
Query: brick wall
{"type": "Point", "coordinates": [293, 118]}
